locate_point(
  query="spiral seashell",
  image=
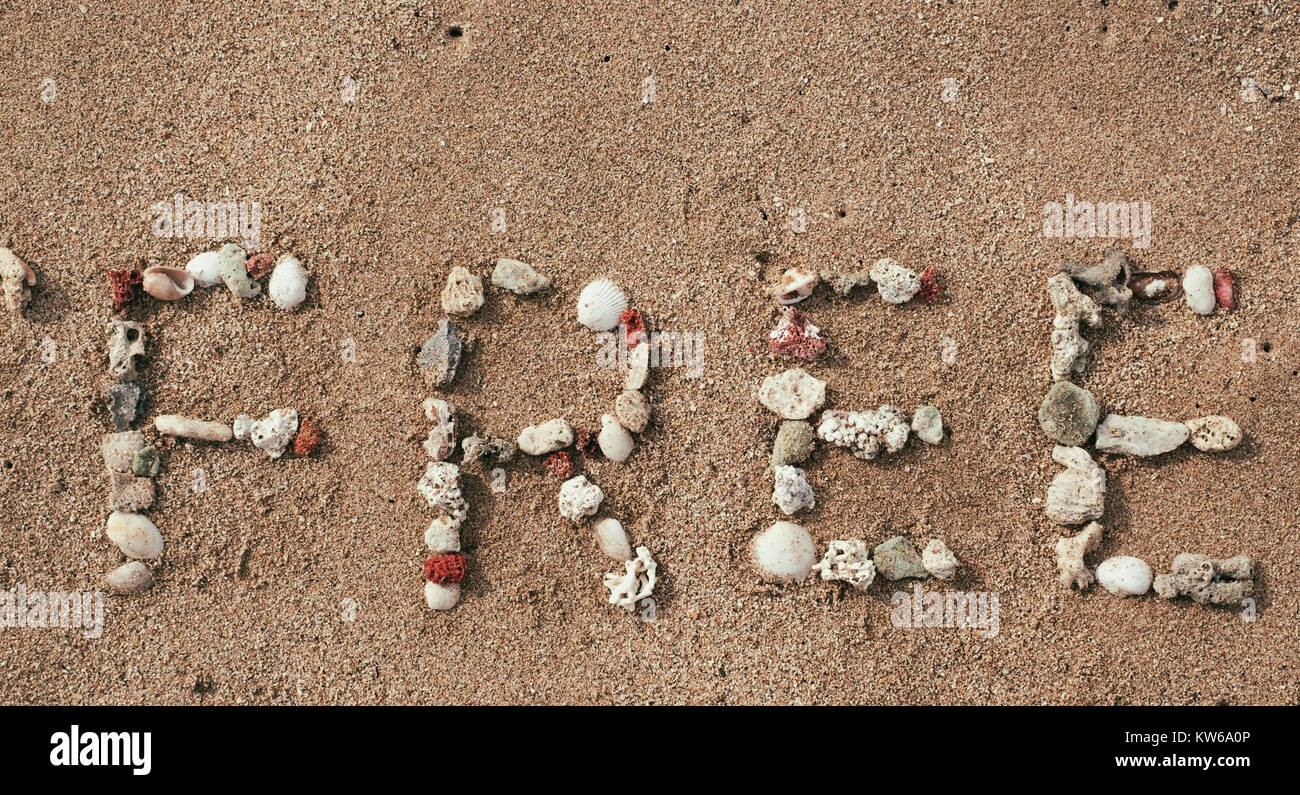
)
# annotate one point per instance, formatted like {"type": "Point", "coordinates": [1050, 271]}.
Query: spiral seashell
{"type": "Point", "coordinates": [168, 284]}
{"type": "Point", "coordinates": [600, 304]}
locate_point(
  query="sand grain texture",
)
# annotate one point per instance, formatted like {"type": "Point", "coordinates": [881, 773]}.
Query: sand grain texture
{"type": "Point", "coordinates": [685, 202]}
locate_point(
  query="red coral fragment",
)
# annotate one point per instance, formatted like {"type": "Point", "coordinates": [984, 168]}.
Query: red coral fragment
{"type": "Point", "coordinates": [124, 283]}
{"type": "Point", "coordinates": [1225, 289]}
{"type": "Point", "coordinates": [633, 326]}
{"type": "Point", "coordinates": [308, 438]}
{"type": "Point", "coordinates": [445, 569]}
{"type": "Point", "coordinates": [259, 265]}
{"type": "Point", "coordinates": [560, 464]}
{"type": "Point", "coordinates": [586, 441]}
{"type": "Point", "coordinates": [796, 336]}
{"type": "Point", "coordinates": [930, 287]}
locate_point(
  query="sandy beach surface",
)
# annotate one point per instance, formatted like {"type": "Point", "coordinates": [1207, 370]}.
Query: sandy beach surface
{"type": "Point", "coordinates": [690, 152]}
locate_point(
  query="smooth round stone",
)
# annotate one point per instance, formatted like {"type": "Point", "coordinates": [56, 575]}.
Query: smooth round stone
{"type": "Point", "coordinates": [613, 539]}
{"type": "Point", "coordinates": [1125, 575]}
{"type": "Point", "coordinates": [1198, 289]}
{"type": "Point", "coordinates": [784, 552]}
{"type": "Point", "coordinates": [134, 534]}
{"type": "Point", "coordinates": [1069, 414]}
{"type": "Point", "coordinates": [288, 284]}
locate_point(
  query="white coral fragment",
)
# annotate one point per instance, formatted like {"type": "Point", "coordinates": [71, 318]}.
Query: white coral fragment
{"type": "Point", "coordinates": [1074, 573]}
{"type": "Point", "coordinates": [939, 560]}
{"type": "Point", "coordinates": [274, 433]}
{"type": "Point", "coordinates": [1069, 348]}
{"type": "Point", "coordinates": [847, 561]}
{"type": "Point", "coordinates": [579, 498]}
{"type": "Point", "coordinates": [1077, 494]}
{"type": "Point", "coordinates": [442, 437]}
{"type": "Point", "coordinates": [896, 284]}
{"type": "Point", "coordinates": [865, 433]}
{"type": "Point", "coordinates": [791, 491]}
{"type": "Point", "coordinates": [636, 582]}
{"type": "Point", "coordinates": [440, 488]}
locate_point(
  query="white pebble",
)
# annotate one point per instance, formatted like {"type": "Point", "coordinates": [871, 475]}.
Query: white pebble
{"type": "Point", "coordinates": [1198, 289]}
{"type": "Point", "coordinates": [614, 440]}
{"type": "Point", "coordinates": [205, 269]}
{"type": "Point", "coordinates": [784, 552]}
{"type": "Point", "coordinates": [288, 284]}
{"type": "Point", "coordinates": [1124, 575]}
{"type": "Point", "coordinates": [613, 539]}
{"type": "Point", "coordinates": [134, 534]}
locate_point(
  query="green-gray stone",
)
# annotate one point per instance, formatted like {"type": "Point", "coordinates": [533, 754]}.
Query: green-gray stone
{"type": "Point", "coordinates": [897, 559]}
{"type": "Point", "coordinates": [1069, 414]}
{"type": "Point", "coordinates": [146, 463]}
{"type": "Point", "coordinates": [231, 265]}
{"type": "Point", "coordinates": [794, 443]}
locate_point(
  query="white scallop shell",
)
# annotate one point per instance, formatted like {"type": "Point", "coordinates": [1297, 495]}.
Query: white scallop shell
{"type": "Point", "coordinates": [288, 284]}
{"type": "Point", "coordinates": [441, 597]}
{"type": "Point", "coordinates": [167, 283]}
{"type": "Point", "coordinates": [205, 268]}
{"type": "Point", "coordinates": [600, 305]}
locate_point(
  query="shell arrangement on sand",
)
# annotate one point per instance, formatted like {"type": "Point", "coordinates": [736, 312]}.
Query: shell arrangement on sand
{"type": "Point", "coordinates": [600, 305]}
{"type": "Point", "coordinates": [1070, 413]}
{"type": "Point", "coordinates": [231, 266]}
{"type": "Point", "coordinates": [440, 488]}
{"type": "Point", "coordinates": [131, 463]}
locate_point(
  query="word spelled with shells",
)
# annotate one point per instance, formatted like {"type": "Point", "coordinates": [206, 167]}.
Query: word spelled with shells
{"type": "Point", "coordinates": [785, 552]}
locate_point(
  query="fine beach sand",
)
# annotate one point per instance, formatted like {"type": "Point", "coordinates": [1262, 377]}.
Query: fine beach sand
{"type": "Point", "coordinates": [298, 581]}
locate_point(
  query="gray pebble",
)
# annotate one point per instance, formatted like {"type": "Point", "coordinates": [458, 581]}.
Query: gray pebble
{"type": "Point", "coordinates": [125, 401]}
{"type": "Point", "coordinates": [794, 443]}
{"type": "Point", "coordinates": [440, 355]}
{"type": "Point", "coordinates": [146, 463]}
{"type": "Point", "coordinates": [897, 559]}
{"type": "Point", "coordinates": [1069, 414]}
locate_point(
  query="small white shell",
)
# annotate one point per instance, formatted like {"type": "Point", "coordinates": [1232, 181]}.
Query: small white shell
{"type": "Point", "coordinates": [614, 440]}
{"type": "Point", "coordinates": [441, 597]}
{"type": "Point", "coordinates": [204, 268]}
{"type": "Point", "coordinates": [600, 304]}
{"type": "Point", "coordinates": [134, 534]}
{"type": "Point", "coordinates": [288, 284]}
{"type": "Point", "coordinates": [131, 577]}
{"type": "Point", "coordinates": [613, 539]}
{"type": "Point", "coordinates": [166, 283]}
{"type": "Point", "coordinates": [796, 284]}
